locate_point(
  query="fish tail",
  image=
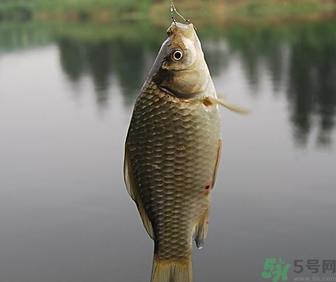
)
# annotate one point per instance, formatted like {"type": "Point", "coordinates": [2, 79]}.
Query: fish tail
{"type": "Point", "coordinates": [172, 270]}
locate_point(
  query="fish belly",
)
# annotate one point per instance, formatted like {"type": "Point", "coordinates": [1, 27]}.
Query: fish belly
{"type": "Point", "coordinates": [173, 149]}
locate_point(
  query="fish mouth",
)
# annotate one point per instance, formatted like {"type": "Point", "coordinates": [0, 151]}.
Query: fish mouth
{"type": "Point", "coordinates": [182, 28]}
{"type": "Point", "coordinates": [178, 30]}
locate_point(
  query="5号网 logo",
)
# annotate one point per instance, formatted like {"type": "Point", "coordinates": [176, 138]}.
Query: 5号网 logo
{"type": "Point", "coordinates": [314, 265]}
{"type": "Point", "coordinates": [275, 271]}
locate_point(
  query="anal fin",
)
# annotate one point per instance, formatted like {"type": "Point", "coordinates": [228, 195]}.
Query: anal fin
{"type": "Point", "coordinates": [201, 229]}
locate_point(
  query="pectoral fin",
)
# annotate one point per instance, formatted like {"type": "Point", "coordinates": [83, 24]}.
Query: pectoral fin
{"type": "Point", "coordinates": [134, 192]}
{"type": "Point", "coordinates": [226, 104]}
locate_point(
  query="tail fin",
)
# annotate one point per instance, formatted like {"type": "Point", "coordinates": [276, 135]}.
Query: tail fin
{"type": "Point", "coordinates": [172, 271]}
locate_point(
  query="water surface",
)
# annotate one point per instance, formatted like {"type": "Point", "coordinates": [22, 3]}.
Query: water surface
{"type": "Point", "coordinates": [66, 96]}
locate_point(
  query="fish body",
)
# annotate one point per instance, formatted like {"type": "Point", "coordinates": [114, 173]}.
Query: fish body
{"type": "Point", "coordinates": [172, 152]}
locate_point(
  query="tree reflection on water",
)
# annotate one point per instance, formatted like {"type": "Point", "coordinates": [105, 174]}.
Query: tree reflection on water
{"type": "Point", "coordinates": [300, 59]}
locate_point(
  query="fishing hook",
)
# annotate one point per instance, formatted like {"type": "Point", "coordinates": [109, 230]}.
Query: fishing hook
{"type": "Point", "coordinates": [172, 10]}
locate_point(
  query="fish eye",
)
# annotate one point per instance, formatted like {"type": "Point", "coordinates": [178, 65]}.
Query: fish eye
{"type": "Point", "coordinates": [177, 55]}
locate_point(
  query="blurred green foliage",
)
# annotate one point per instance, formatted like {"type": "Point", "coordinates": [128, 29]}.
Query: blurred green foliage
{"type": "Point", "coordinates": [107, 10]}
{"type": "Point", "coordinates": [72, 9]}
{"type": "Point", "coordinates": [16, 10]}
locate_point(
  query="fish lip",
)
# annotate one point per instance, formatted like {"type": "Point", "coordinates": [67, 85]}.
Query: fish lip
{"type": "Point", "coordinates": [177, 27]}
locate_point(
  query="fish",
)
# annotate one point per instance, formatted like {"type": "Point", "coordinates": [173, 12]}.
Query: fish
{"type": "Point", "coordinates": [172, 152]}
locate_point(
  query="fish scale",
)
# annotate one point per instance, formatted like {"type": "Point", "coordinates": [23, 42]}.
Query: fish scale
{"type": "Point", "coordinates": [173, 147]}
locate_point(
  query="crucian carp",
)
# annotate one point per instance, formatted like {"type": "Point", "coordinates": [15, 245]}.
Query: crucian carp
{"type": "Point", "coordinates": [172, 152]}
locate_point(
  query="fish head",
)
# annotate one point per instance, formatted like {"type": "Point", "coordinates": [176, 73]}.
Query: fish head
{"type": "Point", "coordinates": [180, 67]}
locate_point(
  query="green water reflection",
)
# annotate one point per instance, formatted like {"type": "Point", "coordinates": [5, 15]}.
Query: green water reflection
{"type": "Point", "coordinates": [299, 58]}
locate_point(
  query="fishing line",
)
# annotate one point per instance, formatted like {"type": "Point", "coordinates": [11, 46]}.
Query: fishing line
{"type": "Point", "coordinates": [173, 9]}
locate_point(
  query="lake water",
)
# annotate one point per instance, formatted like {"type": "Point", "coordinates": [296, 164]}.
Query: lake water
{"type": "Point", "coordinates": [66, 96]}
